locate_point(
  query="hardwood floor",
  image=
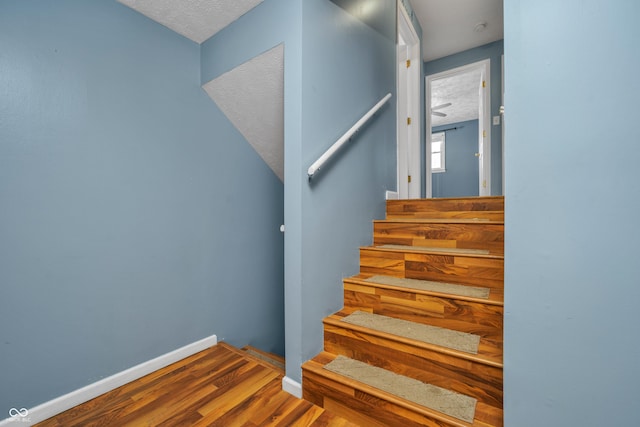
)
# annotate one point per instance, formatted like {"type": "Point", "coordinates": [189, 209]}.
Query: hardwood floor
{"type": "Point", "coordinates": [220, 386]}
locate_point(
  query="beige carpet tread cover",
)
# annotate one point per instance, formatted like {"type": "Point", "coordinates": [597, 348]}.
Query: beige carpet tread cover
{"type": "Point", "coordinates": [439, 399]}
{"type": "Point", "coordinates": [426, 285]}
{"type": "Point", "coordinates": [455, 340]}
{"type": "Point", "coordinates": [272, 361]}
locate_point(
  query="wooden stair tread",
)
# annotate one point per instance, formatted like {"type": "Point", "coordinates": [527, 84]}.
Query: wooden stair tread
{"type": "Point", "coordinates": [484, 415]}
{"type": "Point", "coordinates": [495, 297]}
{"type": "Point", "coordinates": [476, 253]}
{"type": "Point", "coordinates": [489, 353]}
{"type": "Point", "coordinates": [436, 398]}
{"type": "Point", "coordinates": [428, 334]}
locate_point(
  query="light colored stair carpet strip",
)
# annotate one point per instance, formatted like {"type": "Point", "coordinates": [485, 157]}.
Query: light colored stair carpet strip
{"type": "Point", "coordinates": [460, 251]}
{"type": "Point", "coordinates": [425, 285]}
{"type": "Point", "coordinates": [439, 399]}
{"type": "Point", "coordinates": [272, 361]}
{"type": "Point", "coordinates": [455, 340]}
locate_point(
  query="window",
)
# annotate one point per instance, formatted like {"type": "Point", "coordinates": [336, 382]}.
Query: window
{"type": "Point", "coordinates": [437, 152]}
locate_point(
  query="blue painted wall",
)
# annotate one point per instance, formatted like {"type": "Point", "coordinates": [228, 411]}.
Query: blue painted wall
{"type": "Point", "coordinates": [130, 208]}
{"type": "Point", "coordinates": [492, 51]}
{"type": "Point", "coordinates": [572, 270]}
{"type": "Point", "coordinates": [461, 164]}
{"type": "Point", "coordinates": [347, 67]}
{"type": "Point", "coordinates": [269, 24]}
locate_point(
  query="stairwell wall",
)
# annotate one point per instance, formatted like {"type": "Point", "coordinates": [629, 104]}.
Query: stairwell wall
{"type": "Point", "coordinates": [572, 203]}
{"type": "Point", "coordinates": [336, 68]}
{"type": "Point", "coordinates": [348, 65]}
{"type": "Point", "coordinates": [130, 208]}
{"type": "Point", "coordinates": [272, 23]}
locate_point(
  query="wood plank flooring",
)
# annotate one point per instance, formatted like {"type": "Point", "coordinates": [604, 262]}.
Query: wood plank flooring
{"type": "Point", "coordinates": [220, 386]}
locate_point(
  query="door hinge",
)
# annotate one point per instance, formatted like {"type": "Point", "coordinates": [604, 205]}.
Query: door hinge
{"type": "Point", "coordinates": [408, 63]}
{"type": "Point", "coordinates": [484, 133]}
{"type": "Point", "coordinates": [484, 84]}
{"type": "Point", "coordinates": [409, 178]}
{"type": "Point", "coordinates": [484, 183]}
{"type": "Point", "coordinates": [408, 120]}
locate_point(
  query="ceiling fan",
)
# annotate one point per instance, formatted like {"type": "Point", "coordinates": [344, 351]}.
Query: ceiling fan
{"type": "Point", "coordinates": [438, 107]}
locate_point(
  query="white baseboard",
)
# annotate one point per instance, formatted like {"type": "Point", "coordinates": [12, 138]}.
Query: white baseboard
{"type": "Point", "coordinates": [60, 404]}
{"type": "Point", "coordinates": [292, 387]}
{"type": "Point", "coordinates": [392, 195]}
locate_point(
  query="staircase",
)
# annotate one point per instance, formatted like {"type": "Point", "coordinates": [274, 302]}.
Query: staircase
{"type": "Point", "coordinates": [419, 340]}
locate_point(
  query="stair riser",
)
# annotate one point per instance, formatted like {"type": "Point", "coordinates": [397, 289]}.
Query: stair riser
{"type": "Point", "coordinates": [466, 270]}
{"type": "Point", "coordinates": [490, 208]}
{"type": "Point", "coordinates": [463, 376]}
{"type": "Point", "coordinates": [464, 236]}
{"type": "Point", "coordinates": [480, 319]}
{"type": "Point", "coordinates": [360, 407]}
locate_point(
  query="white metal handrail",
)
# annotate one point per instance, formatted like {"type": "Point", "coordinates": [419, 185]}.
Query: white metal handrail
{"type": "Point", "coordinates": [346, 137]}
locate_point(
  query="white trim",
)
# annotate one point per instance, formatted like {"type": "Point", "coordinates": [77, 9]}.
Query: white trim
{"type": "Point", "coordinates": [408, 105]}
{"type": "Point", "coordinates": [292, 387]}
{"type": "Point", "coordinates": [60, 404]}
{"type": "Point", "coordinates": [442, 136]}
{"type": "Point", "coordinates": [315, 167]}
{"type": "Point", "coordinates": [485, 156]}
{"type": "Point", "coordinates": [391, 195]}
{"type": "Point", "coordinates": [502, 119]}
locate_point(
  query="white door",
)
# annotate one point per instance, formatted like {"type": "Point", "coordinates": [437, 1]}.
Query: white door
{"type": "Point", "coordinates": [484, 137]}
{"type": "Point", "coordinates": [409, 117]}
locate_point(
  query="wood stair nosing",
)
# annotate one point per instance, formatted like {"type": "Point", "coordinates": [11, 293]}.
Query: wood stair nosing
{"type": "Point", "coordinates": [438, 221]}
{"type": "Point", "coordinates": [476, 216]}
{"type": "Point", "coordinates": [489, 353]}
{"type": "Point", "coordinates": [426, 250]}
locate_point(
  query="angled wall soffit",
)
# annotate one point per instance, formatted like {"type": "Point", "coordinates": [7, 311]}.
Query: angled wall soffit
{"type": "Point", "coordinates": [197, 20]}
{"type": "Point", "coordinates": [252, 97]}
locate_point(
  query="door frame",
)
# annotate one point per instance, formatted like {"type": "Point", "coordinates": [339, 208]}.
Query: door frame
{"type": "Point", "coordinates": [484, 124]}
{"type": "Point", "coordinates": [408, 106]}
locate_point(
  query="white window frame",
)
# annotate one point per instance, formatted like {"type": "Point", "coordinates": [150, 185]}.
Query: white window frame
{"type": "Point", "coordinates": [439, 137]}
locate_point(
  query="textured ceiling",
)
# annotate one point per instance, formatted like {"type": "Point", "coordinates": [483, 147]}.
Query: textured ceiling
{"type": "Point", "coordinates": [252, 97]}
{"type": "Point", "coordinates": [462, 91]}
{"type": "Point", "coordinates": [195, 19]}
{"type": "Point", "coordinates": [448, 25]}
